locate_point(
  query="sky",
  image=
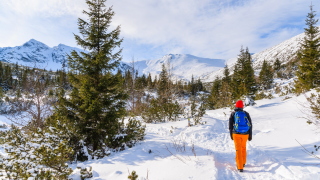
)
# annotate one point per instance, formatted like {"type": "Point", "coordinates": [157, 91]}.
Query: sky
{"type": "Point", "coordinates": [152, 28]}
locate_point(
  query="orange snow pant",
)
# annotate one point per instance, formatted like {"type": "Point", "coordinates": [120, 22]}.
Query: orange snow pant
{"type": "Point", "coordinates": [240, 142]}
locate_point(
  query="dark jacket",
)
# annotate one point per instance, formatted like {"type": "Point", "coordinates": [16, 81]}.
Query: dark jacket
{"type": "Point", "coordinates": [232, 121]}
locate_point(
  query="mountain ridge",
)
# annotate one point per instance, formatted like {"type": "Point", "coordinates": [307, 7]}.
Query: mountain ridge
{"type": "Point", "coordinates": [38, 53]}
{"type": "Point", "coordinates": [285, 51]}
{"type": "Point", "coordinates": [183, 66]}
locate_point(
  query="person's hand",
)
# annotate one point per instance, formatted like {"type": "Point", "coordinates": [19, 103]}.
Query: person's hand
{"type": "Point", "coordinates": [250, 138]}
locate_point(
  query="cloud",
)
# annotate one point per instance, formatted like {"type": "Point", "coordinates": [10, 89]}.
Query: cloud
{"type": "Point", "coordinates": [152, 28]}
{"type": "Point", "coordinates": [214, 29]}
{"type": "Point", "coordinates": [46, 8]}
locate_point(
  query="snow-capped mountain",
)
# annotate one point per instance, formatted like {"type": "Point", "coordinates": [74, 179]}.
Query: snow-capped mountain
{"type": "Point", "coordinates": [183, 66]}
{"type": "Point", "coordinates": [34, 53]}
{"type": "Point", "coordinates": [285, 51]}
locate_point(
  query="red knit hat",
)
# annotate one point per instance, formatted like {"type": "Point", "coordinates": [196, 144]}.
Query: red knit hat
{"type": "Point", "coordinates": [239, 104]}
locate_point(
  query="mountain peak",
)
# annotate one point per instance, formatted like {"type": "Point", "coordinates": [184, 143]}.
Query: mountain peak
{"type": "Point", "coordinates": [33, 42]}
{"type": "Point", "coordinates": [183, 66]}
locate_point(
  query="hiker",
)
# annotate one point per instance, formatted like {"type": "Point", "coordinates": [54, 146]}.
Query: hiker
{"type": "Point", "coordinates": [240, 127]}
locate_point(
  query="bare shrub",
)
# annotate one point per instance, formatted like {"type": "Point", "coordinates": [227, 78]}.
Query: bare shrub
{"type": "Point", "coordinates": [32, 104]}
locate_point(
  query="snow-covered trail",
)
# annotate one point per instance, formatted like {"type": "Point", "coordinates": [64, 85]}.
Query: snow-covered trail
{"type": "Point", "coordinates": [173, 151]}
{"type": "Point", "coordinates": [272, 154]}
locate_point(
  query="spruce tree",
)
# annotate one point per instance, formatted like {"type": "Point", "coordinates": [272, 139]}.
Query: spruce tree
{"type": "Point", "coordinates": [244, 83]}
{"type": "Point", "coordinates": [266, 75]}
{"type": "Point", "coordinates": [309, 55]}
{"type": "Point", "coordinates": [199, 85]}
{"type": "Point", "coordinates": [163, 81]}
{"type": "Point", "coordinates": [149, 81]}
{"type": "Point", "coordinates": [97, 101]}
{"type": "Point", "coordinates": [226, 74]}
{"type": "Point", "coordinates": [193, 86]}
{"type": "Point", "coordinates": [155, 82]}
{"type": "Point", "coordinates": [63, 77]}
{"type": "Point", "coordinates": [215, 93]}
{"type": "Point", "coordinates": [277, 65]}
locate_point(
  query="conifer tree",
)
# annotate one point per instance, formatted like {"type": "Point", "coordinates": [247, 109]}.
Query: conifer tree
{"type": "Point", "coordinates": [309, 69]}
{"type": "Point", "coordinates": [277, 65]}
{"type": "Point", "coordinates": [155, 82]}
{"type": "Point", "coordinates": [63, 77]}
{"type": "Point", "coordinates": [199, 86]}
{"type": "Point", "coordinates": [244, 83]}
{"type": "Point", "coordinates": [149, 81]}
{"type": "Point", "coordinates": [266, 75]}
{"type": "Point", "coordinates": [185, 86]}
{"type": "Point", "coordinates": [226, 74]}
{"type": "Point", "coordinates": [193, 86]}
{"type": "Point", "coordinates": [215, 92]}
{"type": "Point", "coordinates": [163, 81]}
{"type": "Point", "coordinates": [97, 101]}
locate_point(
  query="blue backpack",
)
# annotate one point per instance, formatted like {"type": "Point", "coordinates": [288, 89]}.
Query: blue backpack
{"type": "Point", "coordinates": [242, 124]}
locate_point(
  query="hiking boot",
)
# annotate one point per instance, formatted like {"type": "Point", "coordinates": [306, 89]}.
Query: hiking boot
{"type": "Point", "coordinates": [240, 170]}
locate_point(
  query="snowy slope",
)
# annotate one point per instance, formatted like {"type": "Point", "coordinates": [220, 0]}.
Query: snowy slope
{"type": "Point", "coordinates": [285, 51]}
{"type": "Point", "coordinates": [272, 154]}
{"type": "Point", "coordinates": [183, 66]}
{"type": "Point", "coordinates": [34, 53]}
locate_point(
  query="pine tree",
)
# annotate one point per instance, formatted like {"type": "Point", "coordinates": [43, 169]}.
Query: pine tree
{"type": "Point", "coordinates": [225, 95]}
{"type": "Point", "coordinates": [149, 81]}
{"type": "Point", "coordinates": [63, 77]}
{"type": "Point", "coordinates": [193, 86]}
{"type": "Point", "coordinates": [266, 75]}
{"type": "Point", "coordinates": [97, 101]}
{"type": "Point", "coordinates": [226, 74]}
{"type": "Point", "coordinates": [163, 81]}
{"type": "Point", "coordinates": [199, 86]}
{"type": "Point", "coordinates": [226, 92]}
{"type": "Point", "coordinates": [309, 55]}
{"type": "Point", "coordinates": [185, 86]}
{"type": "Point", "coordinates": [244, 83]}
{"type": "Point", "coordinates": [215, 93]}
{"type": "Point", "coordinates": [32, 156]}
{"type": "Point", "coordinates": [155, 82]}
{"type": "Point", "coordinates": [277, 65]}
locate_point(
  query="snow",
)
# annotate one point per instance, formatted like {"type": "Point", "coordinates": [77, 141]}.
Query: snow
{"type": "Point", "coordinates": [174, 151]}
{"type": "Point", "coordinates": [34, 53]}
{"type": "Point", "coordinates": [273, 153]}
{"type": "Point", "coordinates": [37, 54]}
{"type": "Point", "coordinates": [183, 66]}
{"type": "Point", "coordinates": [285, 51]}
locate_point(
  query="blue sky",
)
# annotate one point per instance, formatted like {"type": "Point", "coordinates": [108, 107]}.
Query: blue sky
{"type": "Point", "coordinates": [153, 28]}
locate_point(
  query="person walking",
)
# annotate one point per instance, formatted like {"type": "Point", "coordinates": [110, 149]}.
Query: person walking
{"type": "Point", "coordinates": [240, 127]}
